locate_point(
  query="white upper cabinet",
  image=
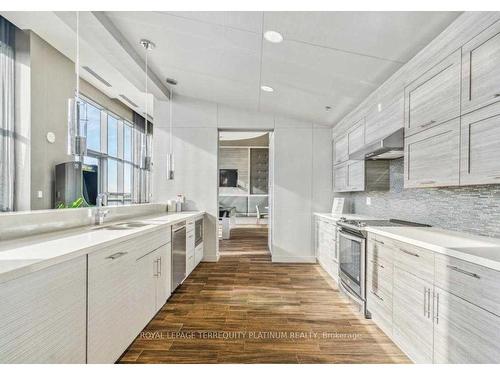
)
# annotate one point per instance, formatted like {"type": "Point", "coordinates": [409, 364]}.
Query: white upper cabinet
{"type": "Point", "coordinates": [481, 70]}
{"type": "Point", "coordinates": [341, 149]}
{"type": "Point", "coordinates": [384, 118]}
{"type": "Point", "coordinates": [356, 136]}
{"type": "Point", "coordinates": [432, 158]}
{"type": "Point", "coordinates": [480, 163]}
{"type": "Point", "coordinates": [434, 97]}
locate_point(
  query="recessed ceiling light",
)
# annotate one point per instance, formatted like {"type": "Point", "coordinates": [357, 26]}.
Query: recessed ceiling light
{"type": "Point", "coordinates": [327, 108]}
{"type": "Point", "coordinates": [273, 36]}
{"type": "Point", "coordinates": [266, 88]}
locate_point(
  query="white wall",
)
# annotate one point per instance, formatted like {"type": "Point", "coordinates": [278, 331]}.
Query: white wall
{"type": "Point", "coordinates": [302, 169]}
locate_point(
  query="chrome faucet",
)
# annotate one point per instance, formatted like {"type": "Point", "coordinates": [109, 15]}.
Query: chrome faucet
{"type": "Point", "coordinates": [100, 213]}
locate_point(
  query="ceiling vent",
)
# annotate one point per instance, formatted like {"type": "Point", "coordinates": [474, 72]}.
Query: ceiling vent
{"type": "Point", "coordinates": [128, 101]}
{"type": "Point", "coordinates": [96, 76]}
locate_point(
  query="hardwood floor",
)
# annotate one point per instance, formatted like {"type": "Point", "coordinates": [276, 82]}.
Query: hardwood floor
{"type": "Point", "coordinates": [245, 309]}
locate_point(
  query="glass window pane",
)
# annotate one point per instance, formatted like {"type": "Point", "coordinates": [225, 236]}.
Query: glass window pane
{"type": "Point", "coordinates": [127, 178]}
{"type": "Point", "coordinates": [112, 136]}
{"type": "Point", "coordinates": [112, 176]}
{"type": "Point", "coordinates": [90, 160]}
{"type": "Point", "coordinates": [127, 142]}
{"type": "Point", "coordinates": [93, 128]}
{"type": "Point", "coordinates": [259, 170]}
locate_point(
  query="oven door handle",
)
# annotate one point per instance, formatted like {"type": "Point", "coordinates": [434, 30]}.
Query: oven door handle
{"type": "Point", "coordinates": [350, 236]}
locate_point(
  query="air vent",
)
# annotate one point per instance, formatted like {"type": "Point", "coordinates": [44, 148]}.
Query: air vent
{"type": "Point", "coordinates": [97, 76]}
{"type": "Point", "coordinates": [128, 101]}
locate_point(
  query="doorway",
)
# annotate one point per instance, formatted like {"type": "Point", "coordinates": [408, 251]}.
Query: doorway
{"type": "Point", "coordinates": [244, 191]}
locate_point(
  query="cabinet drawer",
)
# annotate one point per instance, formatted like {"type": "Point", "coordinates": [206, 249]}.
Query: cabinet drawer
{"type": "Point", "coordinates": [189, 226]}
{"type": "Point", "coordinates": [198, 254]}
{"type": "Point", "coordinates": [190, 243]}
{"type": "Point", "coordinates": [476, 284]}
{"type": "Point", "coordinates": [135, 247]}
{"type": "Point", "coordinates": [326, 226]}
{"type": "Point", "coordinates": [434, 97]}
{"type": "Point", "coordinates": [480, 131]}
{"type": "Point", "coordinates": [481, 70]}
{"type": "Point", "coordinates": [432, 157]}
{"type": "Point", "coordinates": [413, 259]}
{"type": "Point", "coordinates": [379, 250]}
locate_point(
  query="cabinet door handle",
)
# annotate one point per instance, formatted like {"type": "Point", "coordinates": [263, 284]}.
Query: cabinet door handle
{"type": "Point", "coordinates": [429, 303]}
{"type": "Point", "coordinates": [377, 264]}
{"type": "Point", "coordinates": [437, 308]}
{"type": "Point", "coordinates": [471, 274]}
{"type": "Point", "coordinates": [376, 295]}
{"type": "Point", "coordinates": [116, 255]}
{"type": "Point", "coordinates": [380, 242]}
{"type": "Point", "coordinates": [159, 266]}
{"type": "Point", "coordinates": [428, 124]}
{"type": "Point", "coordinates": [410, 253]}
{"type": "Point", "coordinates": [496, 95]}
{"type": "Point", "coordinates": [425, 301]}
{"type": "Point", "coordinates": [427, 182]}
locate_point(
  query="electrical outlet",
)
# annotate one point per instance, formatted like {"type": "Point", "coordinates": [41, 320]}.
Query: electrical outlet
{"type": "Point", "coordinates": [368, 201]}
{"type": "Point", "coordinates": [40, 194]}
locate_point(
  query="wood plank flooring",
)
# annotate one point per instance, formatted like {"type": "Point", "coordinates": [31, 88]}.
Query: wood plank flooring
{"type": "Point", "coordinates": [245, 309]}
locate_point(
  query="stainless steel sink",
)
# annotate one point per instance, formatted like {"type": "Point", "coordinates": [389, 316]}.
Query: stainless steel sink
{"type": "Point", "coordinates": [122, 226]}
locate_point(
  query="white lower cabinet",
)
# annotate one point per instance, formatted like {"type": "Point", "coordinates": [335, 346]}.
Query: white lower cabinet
{"type": "Point", "coordinates": [326, 246]}
{"type": "Point", "coordinates": [42, 315]}
{"type": "Point", "coordinates": [126, 286]}
{"type": "Point", "coordinates": [198, 254]}
{"type": "Point", "coordinates": [444, 310]}
{"type": "Point", "coordinates": [412, 316]}
{"type": "Point", "coordinates": [463, 332]}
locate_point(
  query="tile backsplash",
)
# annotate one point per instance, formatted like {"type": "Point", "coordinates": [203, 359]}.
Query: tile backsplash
{"type": "Point", "coordinates": [473, 209]}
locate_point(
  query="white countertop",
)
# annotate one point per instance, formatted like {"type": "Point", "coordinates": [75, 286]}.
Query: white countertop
{"type": "Point", "coordinates": [336, 217]}
{"type": "Point", "coordinates": [481, 250]}
{"type": "Point", "coordinates": [24, 255]}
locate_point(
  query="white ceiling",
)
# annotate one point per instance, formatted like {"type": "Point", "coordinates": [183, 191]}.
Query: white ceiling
{"type": "Point", "coordinates": [326, 58]}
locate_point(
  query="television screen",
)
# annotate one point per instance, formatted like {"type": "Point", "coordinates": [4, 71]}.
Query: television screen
{"type": "Point", "coordinates": [228, 178]}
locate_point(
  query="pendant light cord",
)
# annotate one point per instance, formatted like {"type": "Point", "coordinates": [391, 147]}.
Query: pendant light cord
{"type": "Point", "coordinates": [77, 65]}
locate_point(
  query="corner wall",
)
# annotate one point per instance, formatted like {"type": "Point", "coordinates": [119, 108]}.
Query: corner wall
{"type": "Point", "coordinates": [302, 175]}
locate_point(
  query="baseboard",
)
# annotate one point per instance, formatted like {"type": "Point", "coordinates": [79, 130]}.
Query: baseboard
{"type": "Point", "coordinates": [210, 258]}
{"type": "Point", "coordinates": [293, 259]}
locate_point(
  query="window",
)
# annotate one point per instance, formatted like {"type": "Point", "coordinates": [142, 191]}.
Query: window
{"type": "Point", "coordinates": [7, 109]}
{"type": "Point", "coordinates": [116, 146]}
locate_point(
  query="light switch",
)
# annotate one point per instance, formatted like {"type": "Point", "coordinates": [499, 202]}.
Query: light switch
{"type": "Point", "coordinates": [40, 194]}
{"type": "Point", "coordinates": [368, 201]}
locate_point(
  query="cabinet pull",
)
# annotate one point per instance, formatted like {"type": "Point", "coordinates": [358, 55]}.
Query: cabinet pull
{"type": "Point", "coordinates": [425, 301]}
{"type": "Point", "coordinates": [376, 295]}
{"type": "Point", "coordinates": [159, 266]}
{"type": "Point", "coordinates": [377, 264]}
{"type": "Point", "coordinates": [410, 253]}
{"type": "Point", "coordinates": [496, 95]}
{"type": "Point", "coordinates": [380, 242]}
{"type": "Point", "coordinates": [429, 303]}
{"type": "Point", "coordinates": [427, 182]}
{"type": "Point", "coordinates": [116, 255]}
{"type": "Point", "coordinates": [437, 308]}
{"type": "Point", "coordinates": [471, 274]}
{"type": "Point", "coordinates": [428, 124]}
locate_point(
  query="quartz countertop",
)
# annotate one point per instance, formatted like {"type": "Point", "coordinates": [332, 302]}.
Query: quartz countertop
{"type": "Point", "coordinates": [481, 250]}
{"type": "Point", "coordinates": [336, 217]}
{"type": "Point", "coordinates": [21, 256]}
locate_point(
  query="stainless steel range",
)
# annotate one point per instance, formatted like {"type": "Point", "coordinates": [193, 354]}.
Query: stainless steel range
{"type": "Point", "coordinates": [351, 242]}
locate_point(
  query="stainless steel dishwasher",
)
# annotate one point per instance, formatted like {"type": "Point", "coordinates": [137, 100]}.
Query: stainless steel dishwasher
{"type": "Point", "coordinates": [178, 254]}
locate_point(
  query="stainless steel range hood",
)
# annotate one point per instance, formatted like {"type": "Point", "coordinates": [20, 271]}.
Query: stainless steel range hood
{"type": "Point", "coordinates": [390, 147]}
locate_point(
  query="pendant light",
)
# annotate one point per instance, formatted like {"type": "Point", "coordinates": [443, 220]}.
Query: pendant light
{"type": "Point", "coordinates": [77, 123]}
{"type": "Point", "coordinates": [170, 155]}
{"type": "Point", "coordinates": [148, 46]}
